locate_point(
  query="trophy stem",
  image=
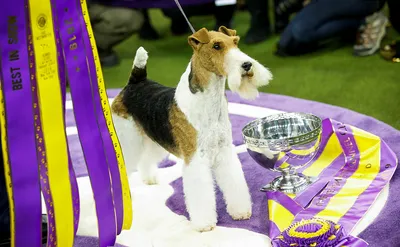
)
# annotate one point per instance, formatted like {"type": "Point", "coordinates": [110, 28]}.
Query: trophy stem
{"type": "Point", "coordinates": [289, 182]}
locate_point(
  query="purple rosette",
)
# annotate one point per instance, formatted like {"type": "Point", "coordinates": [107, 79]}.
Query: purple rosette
{"type": "Point", "coordinates": [312, 232]}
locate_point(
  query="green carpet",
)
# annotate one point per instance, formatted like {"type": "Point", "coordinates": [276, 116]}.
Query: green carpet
{"type": "Point", "coordinates": [369, 85]}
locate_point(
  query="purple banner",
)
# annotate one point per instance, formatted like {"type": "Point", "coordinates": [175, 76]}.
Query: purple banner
{"type": "Point", "coordinates": [41, 149]}
{"type": "Point", "coordinates": [63, 85]}
{"type": "Point", "coordinates": [105, 134]}
{"type": "Point", "coordinates": [72, 39]}
{"type": "Point", "coordinates": [20, 129]}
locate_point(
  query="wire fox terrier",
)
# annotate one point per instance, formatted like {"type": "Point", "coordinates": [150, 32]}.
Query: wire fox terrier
{"type": "Point", "coordinates": [191, 122]}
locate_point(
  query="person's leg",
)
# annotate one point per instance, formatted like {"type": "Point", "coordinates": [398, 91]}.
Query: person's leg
{"type": "Point", "coordinates": [282, 10]}
{"type": "Point", "coordinates": [147, 31]}
{"type": "Point", "coordinates": [394, 13]}
{"type": "Point", "coordinates": [112, 25]}
{"type": "Point", "coordinates": [308, 26]}
{"type": "Point", "coordinates": [178, 22]}
{"type": "Point", "coordinates": [179, 25]}
{"type": "Point", "coordinates": [224, 15]}
{"type": "Point", "coordinates": [370, 34]}
{"type": "Point", "coordinates": [260, 24]}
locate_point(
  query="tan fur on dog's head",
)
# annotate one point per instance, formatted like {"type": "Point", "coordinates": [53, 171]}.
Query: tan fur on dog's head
{"type": "Point", "coordinates": [210, 48]}
{"type": "Point", "coordinates": [218, 53]}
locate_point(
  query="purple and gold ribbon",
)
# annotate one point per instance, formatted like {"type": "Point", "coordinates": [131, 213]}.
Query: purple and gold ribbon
{"type": "Point", "coordinates": [112, 146]}
{"type": "Point", "coordinates": [63, 85]}
{"type": "Point", "coordinates": [45, 44]}
{"type": "Point", "coordinates": [362, 169]}
{"type": "Point", "coordinates": [88, 131]}
{"type": "Point", "coordinates": [106, 171]}
{"type": "Point", "coordinates": [53, 122]}
{"type": "Point", "coordinates": [41, 149]}
{"type": "Point", "coordinates": [17, 128]}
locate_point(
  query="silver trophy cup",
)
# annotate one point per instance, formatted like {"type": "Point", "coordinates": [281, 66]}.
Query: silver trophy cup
{"type": "Point", "coordinates": [283, 143]}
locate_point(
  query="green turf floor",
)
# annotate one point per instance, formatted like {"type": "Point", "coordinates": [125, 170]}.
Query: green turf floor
{"type": "Point", "coordinates": [369, 85]}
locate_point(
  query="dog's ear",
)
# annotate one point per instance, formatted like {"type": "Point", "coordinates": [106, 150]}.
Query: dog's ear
{"type": "Point", "coordinates": [227, 31]}
{"type": "Point", "coordinates": [200, 37]}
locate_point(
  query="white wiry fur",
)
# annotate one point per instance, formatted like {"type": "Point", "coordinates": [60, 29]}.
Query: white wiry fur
{"type": "Point", "coordinates": [238, 82]}
{"type": "Point", "coordinates": [214, 157]}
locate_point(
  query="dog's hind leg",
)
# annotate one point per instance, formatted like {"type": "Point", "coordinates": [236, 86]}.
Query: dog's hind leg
{"type": "Point", "coordinates": [131, 142]}
{"type": "Point", "coordinates": [152, 155]}
{"type": "Point", "coordinates": [198, 187]}
{"type": "Point", "coordinates": [230, 178]}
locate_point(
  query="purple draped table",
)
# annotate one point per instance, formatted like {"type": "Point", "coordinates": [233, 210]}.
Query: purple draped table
{"type": "Point", "coordinates": [379, 233]}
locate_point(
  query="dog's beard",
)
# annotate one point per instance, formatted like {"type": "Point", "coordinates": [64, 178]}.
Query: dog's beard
{"type": "Point", "coordinates": [246, 83]}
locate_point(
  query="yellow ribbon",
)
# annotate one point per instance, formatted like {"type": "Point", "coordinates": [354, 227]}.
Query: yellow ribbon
{"type": "Point", "coordinates": [50, 101]}
{"type": "Point", "coordinates": [126, 196]}
{"type": "Point", "coordinates": [282, 217]}
{"type": "Point", "coordinates": [331, 152]}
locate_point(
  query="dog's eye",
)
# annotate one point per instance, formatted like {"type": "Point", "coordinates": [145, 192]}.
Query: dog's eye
{"type": "Point", "coordinates": [217, 47]}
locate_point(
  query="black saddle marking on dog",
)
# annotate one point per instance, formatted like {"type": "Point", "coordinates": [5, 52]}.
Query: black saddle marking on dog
{"type": "Point", "coordinates": [193, 86]}
{"type": "Point", "coordinates": [149, 104]}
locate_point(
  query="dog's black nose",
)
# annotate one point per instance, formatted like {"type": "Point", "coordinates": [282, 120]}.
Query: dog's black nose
{"type": "Point", "coordinates": [246, 66]}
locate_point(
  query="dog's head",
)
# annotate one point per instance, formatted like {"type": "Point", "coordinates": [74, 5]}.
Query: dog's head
{"type": "Point", "coordinates": [218, 53]}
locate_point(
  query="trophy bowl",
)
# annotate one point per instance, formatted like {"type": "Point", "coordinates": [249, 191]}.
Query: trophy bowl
{"type": "Point", "coordinates": [284, 143]}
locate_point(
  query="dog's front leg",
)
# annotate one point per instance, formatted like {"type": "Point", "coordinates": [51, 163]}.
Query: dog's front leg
{"type": "Point", "coordinates": [230, 178]}
{"type": "Point", "coordinates": [198, 187]}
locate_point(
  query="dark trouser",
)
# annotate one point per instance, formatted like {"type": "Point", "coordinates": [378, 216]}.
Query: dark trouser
{"type": "Point", "coordinates": [394, 13]}
{"type": "Point", "coordinates": [112, 25]}
{"type": "Point", "coordinates": [223, 14]}
{"type": "Point", "coordinates": [260, 11]}
{"type": "Point", "coordinates": [324, 19]}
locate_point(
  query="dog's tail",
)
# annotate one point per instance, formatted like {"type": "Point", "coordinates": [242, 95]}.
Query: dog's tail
{"type": "Point", "coordinates": [139, 71]}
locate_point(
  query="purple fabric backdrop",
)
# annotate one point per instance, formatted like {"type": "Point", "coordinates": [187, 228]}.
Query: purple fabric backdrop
{"type": "Point", "coordinates": [147, 4]}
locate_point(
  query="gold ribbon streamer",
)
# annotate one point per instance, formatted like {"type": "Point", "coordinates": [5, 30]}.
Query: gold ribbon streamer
{"type": "Point", "coordinates": [126, 196]}
{"type": "Point", "coordinates": [50, 101]}
{"type": "Point", "coordinates": [7, 169]}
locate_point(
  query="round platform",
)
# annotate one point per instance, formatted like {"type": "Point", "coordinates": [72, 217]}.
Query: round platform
{"type": "Point", "coordinates": [160, 220]}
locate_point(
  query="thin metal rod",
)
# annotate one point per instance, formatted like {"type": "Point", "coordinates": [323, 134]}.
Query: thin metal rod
{"type": "Point", "coordinates": [183, 13]}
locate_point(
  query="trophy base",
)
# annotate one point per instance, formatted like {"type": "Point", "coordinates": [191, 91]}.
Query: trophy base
{"type": "Point", "coordinates": [289, 183]}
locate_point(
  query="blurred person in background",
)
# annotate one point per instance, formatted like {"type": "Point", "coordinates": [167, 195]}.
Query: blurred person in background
{"type": "Point", "coordinates": [223, 12]}
{"type": "Point", "coordinates": [260, 27]}
{"type": "Point", "coordinates": [112, 25]}
{"type": "Point", "coordinates": [394, 14]}
{"type": "Point", "coordinates": [321, 20]}
{"type": "Point", "coordinates": [147, 31]}
{"type": "Point", "coordinates": [370, 34]}
{"type": "Point", "coordinates": [391, 52]}
{"type": "Point", "coordinates": [113, 21]}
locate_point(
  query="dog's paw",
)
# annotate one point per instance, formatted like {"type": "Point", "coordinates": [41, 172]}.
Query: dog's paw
{"type": "Point", "coordinates": [201, 227]}
{"type": "Point", "coordinates": [150, 180]}
{"type": "Point", "coordinates": [240, 214]}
